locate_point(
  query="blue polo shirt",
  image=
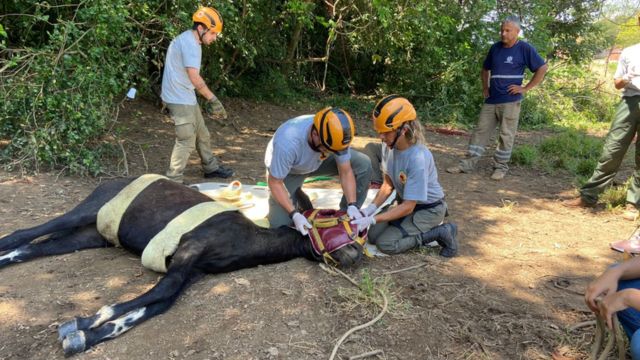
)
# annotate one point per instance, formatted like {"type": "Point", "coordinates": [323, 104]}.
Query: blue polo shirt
{"type": "Point", "coordinates": [507, 68]}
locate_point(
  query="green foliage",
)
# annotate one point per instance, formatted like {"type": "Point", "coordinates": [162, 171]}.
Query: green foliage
{"type": "Point", "coordinates": [59, 90]}
{"type": "Point", "coordinates": [67, 64]}
{"type": "Point", "coordinates": [570, 150]}
{"type": "Point", "coordinates": [525, 155]}
{"type": "Point", "coordinates": [629, 33]}
{"type": "Point", "coordinates": [572, 96]}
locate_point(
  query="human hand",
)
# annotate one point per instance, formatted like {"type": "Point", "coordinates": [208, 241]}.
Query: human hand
{"type": "Point", "coordinates": [516, 89]}
{"type": "Point", "coordinates": [369, 210]}
{"type": "Point", "coordinates": [364, 222]}
{"type": "Point", "coordinates": [485, 92]}
{"type": "Point", "coordinates": [353, 212]}
{"type": "Point", "coordinates": [613, 303]}
{"type": "Point", "coordinates": [213, 107]}
{"type": "Point", "coordinates": [604, 285]}
{"type": "Point", "coordinates": [301, 223]}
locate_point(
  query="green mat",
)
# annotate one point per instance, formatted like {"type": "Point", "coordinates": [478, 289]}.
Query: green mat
{"type": "Point", "coordinates": [307, 180]}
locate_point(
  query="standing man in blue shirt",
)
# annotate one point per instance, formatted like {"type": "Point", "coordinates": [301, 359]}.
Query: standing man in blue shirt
{"type": "Point", "coordinates": [502, 75]}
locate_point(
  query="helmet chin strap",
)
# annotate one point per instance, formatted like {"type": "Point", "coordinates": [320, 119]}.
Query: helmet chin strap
{"type": "Point", "coordinates": [398, 133]}
{"type": "Point", "coordinates": [313, 146]}
{"type": "Point", "coordinates": [201, 35]}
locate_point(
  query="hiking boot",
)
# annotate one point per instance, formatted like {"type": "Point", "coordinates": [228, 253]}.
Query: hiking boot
{"type": "Point", "coordinates": [221, 172]}
{"type": "Point", "coordinates": [578, 202]}
{"type": "Point", "coordinates": [454, 169]}
{"type": "Point", "coordinates": [445, 236]}
{"type": "Point", "coordinates": [630, 212]}
{"type": "Point", "coordinates": [498, 174]}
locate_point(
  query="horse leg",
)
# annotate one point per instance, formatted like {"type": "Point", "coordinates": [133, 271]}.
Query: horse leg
{"type": "Point", "coordinates": [170, 285]}
{"type": "Point", "coordinates": [78, 341]}
{"type": "Point", "coordinates": [83, 214]}
{"type": "Point", "coordinates": [59, 243]}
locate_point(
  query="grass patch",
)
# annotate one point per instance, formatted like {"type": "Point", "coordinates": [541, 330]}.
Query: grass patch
{"type": "Point", "coordinates": [615, 197]}
{"type": "Point", "coordinates": [569, 150]}
{"type": "Point", "coordinates": [366, 297]}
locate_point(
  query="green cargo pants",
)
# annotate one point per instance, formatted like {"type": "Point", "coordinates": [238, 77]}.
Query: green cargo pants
{"type": "Point", "coordinates": [623, 129]}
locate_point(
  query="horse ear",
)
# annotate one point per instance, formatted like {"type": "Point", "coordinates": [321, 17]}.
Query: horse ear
{"type": "Point", "coordinates": [304, 203]}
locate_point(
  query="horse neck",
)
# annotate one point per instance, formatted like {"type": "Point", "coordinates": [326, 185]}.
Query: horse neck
{"type": "Point", "coordinates": [290, 242]}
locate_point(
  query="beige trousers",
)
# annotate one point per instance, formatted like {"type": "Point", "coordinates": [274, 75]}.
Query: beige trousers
{"type": "Point", "coordinates": [505, 116]}
{"type": "Point", "coordinates": [191, 133]}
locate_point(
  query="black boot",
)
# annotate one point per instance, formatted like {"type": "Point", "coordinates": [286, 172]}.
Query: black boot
{"type": "Point", "coordinates": [445, 235]}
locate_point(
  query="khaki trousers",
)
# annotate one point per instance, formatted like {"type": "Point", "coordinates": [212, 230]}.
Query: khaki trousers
{"type": "Point", "coordinates": [505, 116]}
{"type": "Point", "coordinates": [191, 133]}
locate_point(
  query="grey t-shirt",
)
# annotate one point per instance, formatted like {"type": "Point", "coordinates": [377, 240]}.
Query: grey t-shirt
{"type": "Point", "coordinates": [289, 152]}
{"type": "Point", "coordinates": [413, 173]}
{"type": "Point", "coordinates": [629, 63]}
{"type": "Point", "coordinates": [184, 51]}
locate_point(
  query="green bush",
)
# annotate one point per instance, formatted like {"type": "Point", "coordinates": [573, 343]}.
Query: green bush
{"type": "Point", "coordinates": [570, 150]}
{"type": "Point", "coordinates": [525, 155]}
{"type": "Point", "coordinates": [66, 65]}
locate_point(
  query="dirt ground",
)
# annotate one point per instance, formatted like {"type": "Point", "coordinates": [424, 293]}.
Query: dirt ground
{"type": "Point", "coordinates": [512, 293]}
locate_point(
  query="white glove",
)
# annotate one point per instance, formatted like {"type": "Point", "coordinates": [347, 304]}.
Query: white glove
{"type": "Point", "coordinates": [301, 223]}
{"type": "Point", "coordinates": [364, 222]}
{"type": "Point", "coordinates": [353, 212]}
{"type": "Point", "coordinates": [369, 210]}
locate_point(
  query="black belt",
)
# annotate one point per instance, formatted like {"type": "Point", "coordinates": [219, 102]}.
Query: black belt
{"type": "Point", "coordinates": [427, 206]}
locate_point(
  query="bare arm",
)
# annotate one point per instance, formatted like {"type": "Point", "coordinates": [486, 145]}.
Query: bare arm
{"type": "Point", "coordinates": [537, 78]}
{"type": "Point", "coordinates": [198, 83]}
{"type": "Point", "coordinates": [280, 193]}
{"type": "Point", "coordinates": [607, 283]}
{"type": "Point", "coordinates": [397, 212]}
{"type": "Point", "coordinates": [620, 83]}
{"type": "Point", "coordinates": [484, 75]}
{"type": "Point", "coordinates": [348, 181]}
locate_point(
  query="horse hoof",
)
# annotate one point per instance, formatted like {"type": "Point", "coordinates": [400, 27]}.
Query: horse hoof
{"type": "Point", "coordinates": [74, 343]}
{"type": "Point", "coordinates": [66, 328]}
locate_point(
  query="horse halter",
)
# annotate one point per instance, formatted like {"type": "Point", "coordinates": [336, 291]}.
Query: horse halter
{"type": "Point", "coordinates": [332, 230]}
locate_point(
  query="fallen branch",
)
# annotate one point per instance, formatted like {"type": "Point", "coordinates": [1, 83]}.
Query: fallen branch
{"type": "Point", "coordinates": [405, 269]}
{"type": "Point", "coordinates": [367, 354]}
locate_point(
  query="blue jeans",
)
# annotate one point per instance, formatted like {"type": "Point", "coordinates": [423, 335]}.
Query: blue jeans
{"type": "Point", "coordinates": [630, 319]}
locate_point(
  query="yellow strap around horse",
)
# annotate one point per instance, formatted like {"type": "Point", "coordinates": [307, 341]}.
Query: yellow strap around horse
{"type": "Point", "coordinates": [110, 214]}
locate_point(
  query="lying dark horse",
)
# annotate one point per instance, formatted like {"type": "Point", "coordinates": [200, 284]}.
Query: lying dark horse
{"type": "Point", "coordinates": [223, 242]}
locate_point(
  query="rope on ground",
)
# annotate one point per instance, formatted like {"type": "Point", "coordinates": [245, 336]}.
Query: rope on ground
{"type": "Point", "coordinates": [615, 339]}
{"type": "Point", "coordinates": [359, 327]}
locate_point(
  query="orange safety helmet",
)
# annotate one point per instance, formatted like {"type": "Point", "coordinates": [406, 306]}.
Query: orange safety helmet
{"type": "Point", "coordinates": [210, 17]}
{"type": "Point", "coordinates": [335, 128]}
{"type": "Point", "coordinates": [391, 112]}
